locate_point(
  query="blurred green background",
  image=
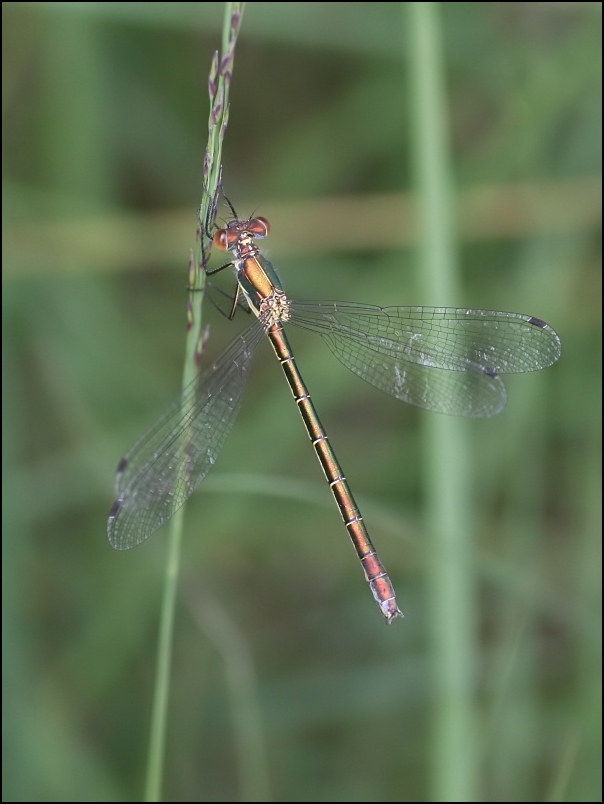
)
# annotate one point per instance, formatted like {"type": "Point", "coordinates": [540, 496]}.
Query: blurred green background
{"type": "Point", "coordinates": [286, 684]}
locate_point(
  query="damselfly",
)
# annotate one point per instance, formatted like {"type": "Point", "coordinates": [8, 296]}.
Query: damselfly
{"type": "Point", "coordinates": [443, 359]}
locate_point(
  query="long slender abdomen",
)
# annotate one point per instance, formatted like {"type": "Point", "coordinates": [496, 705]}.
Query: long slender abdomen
{"type": "Point", "coordinates": [375, 574]}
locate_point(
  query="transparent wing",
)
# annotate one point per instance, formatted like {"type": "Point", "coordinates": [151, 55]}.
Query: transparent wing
{"type": "Point", "coordinates": [165, 466]}
{"type": "Point", "coordinates": [443, 359]}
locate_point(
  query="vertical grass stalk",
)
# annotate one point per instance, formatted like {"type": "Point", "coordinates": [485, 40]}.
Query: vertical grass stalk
{"type": "Point", "coordinates": [218, 85]}
{"type": "Point", "coordinates": [450, 578]}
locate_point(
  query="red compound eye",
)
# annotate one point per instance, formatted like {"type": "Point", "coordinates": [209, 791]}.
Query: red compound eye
{"type": "Point", "coordinates": [221, 239]}
{"type": "Point", "coordinates": [259, 227]}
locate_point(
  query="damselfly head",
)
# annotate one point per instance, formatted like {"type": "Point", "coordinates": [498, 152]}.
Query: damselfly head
{"type": "Point", "coordinates": [227, 239]}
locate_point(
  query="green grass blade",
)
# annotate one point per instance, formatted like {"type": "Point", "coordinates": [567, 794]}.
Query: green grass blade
{"type": "Point", "coordinates": [219, 84]}
{"type": "Point", "coordinates": [450, 579]}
